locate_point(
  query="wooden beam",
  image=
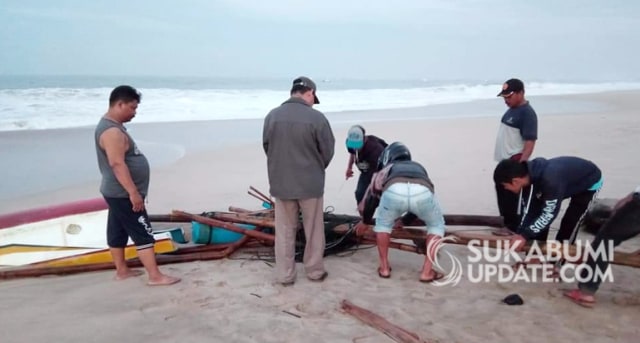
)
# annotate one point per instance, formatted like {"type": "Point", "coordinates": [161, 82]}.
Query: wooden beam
{"type": "Point", "coordinates": [225, 225]}
{"type": "Point", "coordinates": [376, 321]}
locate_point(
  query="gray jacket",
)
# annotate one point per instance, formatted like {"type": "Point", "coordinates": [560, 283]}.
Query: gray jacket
{"type": "Point", "coordinates": [299, 145]}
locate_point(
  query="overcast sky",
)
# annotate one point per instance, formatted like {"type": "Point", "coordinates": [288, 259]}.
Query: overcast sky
{"type": "Point", "coordinates": [596, 40]}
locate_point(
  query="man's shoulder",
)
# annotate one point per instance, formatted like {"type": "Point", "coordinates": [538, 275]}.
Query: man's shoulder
{"type": "Point", "coordinates": [525, 109]}
{"type": "Point", "coordinates": [291, 106]}
{"type": "Point", "coordinates": [373, 146]}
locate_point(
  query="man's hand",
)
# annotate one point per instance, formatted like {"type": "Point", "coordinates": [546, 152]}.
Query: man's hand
{"type": "Point", "coordinates": [398, 224]}
{"type": "Point", "coordinates": [361, 229]}
{"type": "Point", "coordinates": [348, 174]}
{"type": "Point", "coordinates": [137, 201]}
{"type": "Point", "coordinates": [518, 242]}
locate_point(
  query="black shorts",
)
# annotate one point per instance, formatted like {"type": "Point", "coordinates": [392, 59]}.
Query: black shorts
{"type": "Point", "coordinates": [124, 223]}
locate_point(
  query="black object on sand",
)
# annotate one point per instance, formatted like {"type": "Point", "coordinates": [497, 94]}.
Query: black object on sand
{"type": "Point", "coordinates": [513, 299]}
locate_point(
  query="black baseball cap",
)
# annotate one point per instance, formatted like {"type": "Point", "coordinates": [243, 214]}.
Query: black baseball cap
{"type": "Point", "coordinates": [511, 86]}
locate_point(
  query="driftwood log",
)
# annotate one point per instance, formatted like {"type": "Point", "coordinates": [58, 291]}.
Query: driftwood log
{"type": "Point", "coordinates": [393, 331]}
{"type": "Point", "coordinates": [463, 238]}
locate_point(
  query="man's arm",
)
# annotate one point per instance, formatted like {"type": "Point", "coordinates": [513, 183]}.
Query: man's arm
{"type": "Point", "coordinates": [529, 132]}
{"type": "Point", "coordinates": [527, 151]}
{"type": "Point", "coordinates": [349, 172]}
{"type": "Point", "coordinates": [265, 133]}
{"type": "Point", "coordinates": [531, 228]}
{"type": "Point", "coordinates": [326, 143]}
{"type": "Point", "coordinates": [368, 205]}
{"type": "Point", "coordinates": [115, 144]}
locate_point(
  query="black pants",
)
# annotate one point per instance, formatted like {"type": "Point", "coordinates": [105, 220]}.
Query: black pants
{"type": "Point", "coordinates": [508, 207]}
{"type": "Point", "coordinates": [624, 224]}
{"type": "Point", "coordinates": [363, 182]}
{"type": "Point", "coordinates": [123, 223]}
{"type": "Point", "coordinates": [573, 216]}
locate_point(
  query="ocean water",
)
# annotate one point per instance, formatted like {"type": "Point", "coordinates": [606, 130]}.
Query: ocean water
{"type": "Point", "coordinates": [46, 102]}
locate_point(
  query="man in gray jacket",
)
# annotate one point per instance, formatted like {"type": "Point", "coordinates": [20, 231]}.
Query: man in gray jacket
{"type": "Point", "coordinates": [299, 145]}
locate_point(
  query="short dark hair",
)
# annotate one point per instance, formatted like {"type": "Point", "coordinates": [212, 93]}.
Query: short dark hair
{"type": "Point", "coordinates": [300, 89]}
{"type": "Point", "coordinates": [507, 170]}
{"type": "Point", "coordinates": [124, 93]}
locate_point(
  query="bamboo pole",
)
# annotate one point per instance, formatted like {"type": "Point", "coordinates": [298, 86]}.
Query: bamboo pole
{"type": "Point", "coordinates": [248, 217]}
{"type": "Point", "coordinates": [619, 258]}
{"type": "Point", "coordinates": [256, 196]}
{"type": "Point", "coordinates": [238, 209]}
{"type": "Point", "coordinates": [462, 238]}
{"type": "Point", "coordinates": [224, 225]}
{"type": "Point", "coordinates": [235, 246]}
{"type": "Point", "coordinates": [200, 248]}
{"type": "Point", "coordinates": [167, 218]}
{"type": "Point", "coordinates": [67, 270]}
{"type": "Point", "coordinates": [392, 244]}
{"type": "Point", "coordinates": [449, 219]}
{"type": "Point", "coordinates": [268, 199]}
{"type": "Point", "coordinates": [243, 218]}
{"type": "Point", "coordinates": [376, 321]}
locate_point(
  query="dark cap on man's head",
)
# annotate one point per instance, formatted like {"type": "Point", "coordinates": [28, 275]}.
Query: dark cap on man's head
{"type": "Point", "coordinates": [304, 83]}
{"type": "Point", "coordinates": [511, 86]}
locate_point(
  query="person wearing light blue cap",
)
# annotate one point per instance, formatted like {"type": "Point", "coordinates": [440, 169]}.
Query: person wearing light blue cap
{"type": "Point", "coordinates": [364, 152]}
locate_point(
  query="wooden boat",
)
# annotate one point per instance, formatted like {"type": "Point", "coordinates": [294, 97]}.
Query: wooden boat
{"type": "Point", "coordinates": [62, 235]}
{"type": "Point", "coordinates": [64, 224]}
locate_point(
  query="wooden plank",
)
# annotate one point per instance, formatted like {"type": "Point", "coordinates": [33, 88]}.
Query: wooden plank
{"type": "Point", "coordinates": [376, 321]}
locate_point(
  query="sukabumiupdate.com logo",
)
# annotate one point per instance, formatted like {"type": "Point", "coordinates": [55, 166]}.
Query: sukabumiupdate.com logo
{"type": "Point", "coordinates": [500, 262]}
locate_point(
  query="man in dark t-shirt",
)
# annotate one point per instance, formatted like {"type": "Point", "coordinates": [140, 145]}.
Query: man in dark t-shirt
{"type": "Point", "coordinates": [517, 136]}
{"type": "Point", "coordinates": [364, 152]}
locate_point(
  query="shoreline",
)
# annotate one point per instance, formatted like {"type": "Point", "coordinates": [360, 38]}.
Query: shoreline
{"type": "Point", "coordinates": [70, 153]}
{"type": "Point", "coordinates": [446, 110]}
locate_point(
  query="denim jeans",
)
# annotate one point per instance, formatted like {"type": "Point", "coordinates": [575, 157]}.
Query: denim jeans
{"type": "Point", "coordinates": [401, 198]}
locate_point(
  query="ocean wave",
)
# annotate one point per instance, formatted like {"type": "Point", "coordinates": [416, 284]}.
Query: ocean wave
{"type": "Point", "coordinates": [47, 108]}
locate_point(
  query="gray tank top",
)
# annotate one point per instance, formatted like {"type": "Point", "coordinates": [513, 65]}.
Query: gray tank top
{"type": "Point", "coordinates": [133, 158]}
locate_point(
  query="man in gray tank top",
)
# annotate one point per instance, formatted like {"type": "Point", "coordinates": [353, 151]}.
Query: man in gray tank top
{"type": "Point", "coordinates": [125, 183]}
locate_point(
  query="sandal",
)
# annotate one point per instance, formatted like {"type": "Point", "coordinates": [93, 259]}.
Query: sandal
{"type": "Point", "coordinates": [382, 275]}
{"type": "Point", "coordinates": [436, 276]}
{"type": "Point", "coordinates": [577, 297]}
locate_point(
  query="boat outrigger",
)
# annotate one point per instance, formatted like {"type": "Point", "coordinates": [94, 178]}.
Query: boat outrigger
{"type": "Point", "coordinates": [70, 238]}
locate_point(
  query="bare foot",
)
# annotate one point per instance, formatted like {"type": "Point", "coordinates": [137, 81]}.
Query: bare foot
{"type": "Point", "coordinates": [164, 280]}
{"type": "Point", "coordinates": [129, 273]}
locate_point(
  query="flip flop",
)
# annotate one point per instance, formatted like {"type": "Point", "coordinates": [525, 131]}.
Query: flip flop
{"type": "Point", "coordinates": [575, 296]}
{"type": "Point", "coordinates": [169, 280]}
{"type": "Point", "coordinates": [384, 276]}
{"type": "Point", "coordinates": [132, 273]}
{"type": "Point", "coordinates": [437, 276]}
{"type": "Point", "coordinates": [321, 278]}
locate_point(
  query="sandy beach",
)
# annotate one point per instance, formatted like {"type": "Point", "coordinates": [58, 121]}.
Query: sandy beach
{"type": "Point", "coordinates": [210, 165]}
